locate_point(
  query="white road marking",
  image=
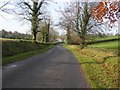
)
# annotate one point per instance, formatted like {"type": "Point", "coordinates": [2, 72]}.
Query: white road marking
{"type": "Point", "coordinates": [11, 66]}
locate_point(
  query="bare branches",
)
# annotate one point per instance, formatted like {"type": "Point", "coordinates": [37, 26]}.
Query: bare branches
{"type": "Point", "coordinates": [40, 5]}
{"type": "Point", "coordinates": [4, 8]}
{"type": "Point", "coordinates": [29, 6]}
{"type": "Point", "coordinates": [6, 3]}
{"type": "Point", "coordinates": [76, 17]}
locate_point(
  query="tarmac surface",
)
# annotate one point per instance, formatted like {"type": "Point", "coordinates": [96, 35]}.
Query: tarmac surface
{"type": "Point", "coordinates": [56, 68]}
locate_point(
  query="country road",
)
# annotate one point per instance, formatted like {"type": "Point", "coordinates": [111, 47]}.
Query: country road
{"type": "Point", "coordinates": [56, 68]}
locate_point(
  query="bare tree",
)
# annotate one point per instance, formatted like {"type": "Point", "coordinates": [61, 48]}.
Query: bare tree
{"type": "Point", "coordinates": [32, 11]}
{"type": "Point", "coordinates": [76, 17]}
{"type": "Point", "coordinates": [66, 21]}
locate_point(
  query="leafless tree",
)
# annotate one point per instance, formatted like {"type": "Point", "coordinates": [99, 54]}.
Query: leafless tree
{"type": "Point", "coordinates": [32, 11]}
{"type": "Point", "coordinates": [77, 17]}
{"type": "Point", "coordinates": [66, 20]}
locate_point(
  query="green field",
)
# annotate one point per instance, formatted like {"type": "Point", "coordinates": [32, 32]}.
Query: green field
{"type": "Point", "coordinates": [95, 38]}
{"type": "Point", "coordinates": [108, 45]}
{"type": "Point", "coordinates": [100, 65]}
{"type": "Point", "coordinates": [107, 38]}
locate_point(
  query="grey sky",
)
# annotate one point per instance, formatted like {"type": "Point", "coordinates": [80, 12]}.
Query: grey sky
{"type": "Point", "coordinates": [8, 22]}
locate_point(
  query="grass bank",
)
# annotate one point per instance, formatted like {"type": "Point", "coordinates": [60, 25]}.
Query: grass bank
{"type": "Point", "coordinates": [100, 65]}
{"type": "Point", "coordinates": [13, 50]}
{"type": "Point", "coordinates": [10, 48]}
{"type": "Point", "coordinates": [21, 56]}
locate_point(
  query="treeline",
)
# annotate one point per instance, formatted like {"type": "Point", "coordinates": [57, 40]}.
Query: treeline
{"type": "Point", "coordinates": [42, 36]}
{"type": "Point", "coordinates": [92, 38]}
{"type": "Point", "coordinates": [14, 35]}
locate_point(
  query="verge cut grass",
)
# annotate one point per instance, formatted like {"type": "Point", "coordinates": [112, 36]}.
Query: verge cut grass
{"type": "Point", "coordinates": [99, 65]}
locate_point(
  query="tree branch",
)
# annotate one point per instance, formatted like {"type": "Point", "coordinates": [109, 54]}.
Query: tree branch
{"type": "Point", "coordinates": [90, 27]}
{"type": "Point", "coordinates": [40, 19]}
{"type": "Point", "coordinates": [4, 4]}
{"type": "Point", "coordinates": [40, 5]}
{"type": "Point", "coordinates": [29, 6]}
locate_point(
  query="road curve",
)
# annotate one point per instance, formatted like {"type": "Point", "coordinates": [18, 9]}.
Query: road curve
{"type": "Point", "coordinates": [57, 68]}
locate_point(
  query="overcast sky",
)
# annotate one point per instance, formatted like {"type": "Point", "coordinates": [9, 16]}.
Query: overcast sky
{"type": "Point", "coordinates": [8, 22]}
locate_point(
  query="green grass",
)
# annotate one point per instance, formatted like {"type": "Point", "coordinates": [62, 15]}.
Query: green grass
{"type": "Point", "coordinates": [104, 38]}
{"type": "Point", "coordinates": [15, 50]}
{"type": "Point", "coordinates": [108, 45]}
{"type": "Point", "coordinates": [107, 38]}
{"type": "Point", "coordinates": [21, 56]}
{"type": "Point", "coordinates": [100, 66]}
{"type": "Point", "coordinates": [10, 48]}
{"type": "Point", "coordinates": [10, 39]}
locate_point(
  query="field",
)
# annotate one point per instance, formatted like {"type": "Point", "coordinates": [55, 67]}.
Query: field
{"type": "Point", "coordinates": [107, 38]}
{"type": "Point", "coordinates": [10, 39]}
{"type": "Point", "coordinates": [100, 65]}
{"type": "Point", "coordinates": [104, 38]}
{"type": "Point", "coordinates": [108, 45]}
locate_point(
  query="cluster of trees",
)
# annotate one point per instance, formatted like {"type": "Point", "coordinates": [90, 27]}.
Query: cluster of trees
{"type": "Point", "coordinates": [81, 18]}
{"type": "Point", "coordinates": [41, 36]}
{"type": "Point", "coordinates": [47, 32]}
{"type": "Point", "coordinates": [34, 12]}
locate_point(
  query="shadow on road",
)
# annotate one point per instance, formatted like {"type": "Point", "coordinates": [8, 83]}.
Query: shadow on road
{"type": "Point", "coordinates": [71, 63]}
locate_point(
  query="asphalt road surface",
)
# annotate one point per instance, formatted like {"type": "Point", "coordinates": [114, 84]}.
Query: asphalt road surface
{"type": "Point", "coordinates": [56, 68]}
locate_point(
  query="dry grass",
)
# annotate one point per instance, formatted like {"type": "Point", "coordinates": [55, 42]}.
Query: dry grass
{"type": "Point", "coordinates": [100, 65]}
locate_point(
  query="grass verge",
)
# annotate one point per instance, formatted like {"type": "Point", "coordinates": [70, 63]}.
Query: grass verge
{"type": "Point", "coordinates": [24, 55]}
{"type": "Point", "coordinates": [99, 65]}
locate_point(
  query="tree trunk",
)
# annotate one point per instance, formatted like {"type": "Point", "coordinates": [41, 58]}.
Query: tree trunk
{"type": "Point", "coordinates": [85, 22]}
{"type": "Point", "coordinates": [47, 34]}
{"type": "Point", "coordinates": [47, 38]}
{"type": "Point", "coordinates": [82, 45]}
{"type": "Point", "coordinates": [34, 21]}
{"type": "Point", "coordinates": [68, 35]}
{"type": "Point", "coordinates": [34, 37]}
